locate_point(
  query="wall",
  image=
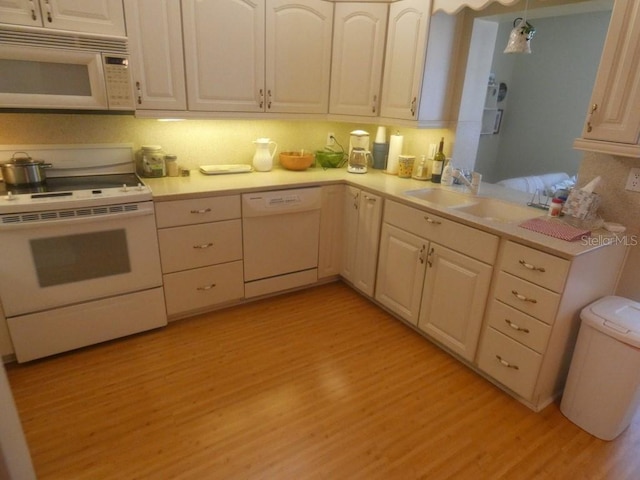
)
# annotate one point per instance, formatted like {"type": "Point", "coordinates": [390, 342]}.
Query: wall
{"type": "Point", "coordinates": [195, 142]}
{"type": "Point", "coordinates": [547, 98]}
{"type": "Point", "coordinates": [620, 206]}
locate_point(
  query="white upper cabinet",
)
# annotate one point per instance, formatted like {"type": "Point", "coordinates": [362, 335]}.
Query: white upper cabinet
{"type": "Point", "coordinates": [155, 39]}
{"type": "Point", "coordinates": [225, 55]}
{"type": "Point", "coordinates": [257, 56]}
{"type": "Point", "coordinates": [405, 56]}
{"type": "Point", "coordinates": [613, 119]}
{"type": "Point", "coordinates": [298, 55]}
{"type": "Point", "coordinates": [96, 16]}
{"type": "Point", "coordinates": [357, 60]}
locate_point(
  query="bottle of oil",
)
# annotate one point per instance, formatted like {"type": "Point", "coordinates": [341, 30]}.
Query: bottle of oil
{"type": "Point", "coordinates": [438, 163]}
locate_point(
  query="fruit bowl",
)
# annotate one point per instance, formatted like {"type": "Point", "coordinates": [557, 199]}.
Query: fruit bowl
{"type": "Point", "coordinates": [296, 160]}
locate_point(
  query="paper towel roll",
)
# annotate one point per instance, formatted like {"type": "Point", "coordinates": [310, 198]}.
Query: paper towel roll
{"type": "Point", "coordinates": [381, 135]}
{"type": "Point", "coordinates": [395, 149]}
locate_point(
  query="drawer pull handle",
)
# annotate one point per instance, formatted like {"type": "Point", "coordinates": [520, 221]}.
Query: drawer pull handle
{"type": "Point", "coordinates": [202, 210]}
{"type": "Point", "coordinates": [431, 220]}
{"type": "Point", "coordinates": [203, 246]}
{"type": "Point", "coordinates": [531, 267]}
{"type": "Point", "coordinates": [206, 287]}
{"type": "Point", "coordinates": [430, 257]}
{"type": "Point", "coordinates": [507, 364]}
{"type": "Point", "coordinates": [421, 254]}
{"type": "Point", "coordinates": [516, 327]}
{"type": "Point", "coordinates": [522, 297]}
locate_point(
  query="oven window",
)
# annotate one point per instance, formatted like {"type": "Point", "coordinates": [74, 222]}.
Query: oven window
{"type": "Point", "coordinates": [84, 256]}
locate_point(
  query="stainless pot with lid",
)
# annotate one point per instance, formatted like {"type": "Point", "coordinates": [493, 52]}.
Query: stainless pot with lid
{"type": "Point", "coordinates": [22, 170]}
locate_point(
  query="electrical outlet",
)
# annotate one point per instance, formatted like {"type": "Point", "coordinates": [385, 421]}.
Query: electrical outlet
{"type": "Point", "coordinates": [633, 182]}
{"type": "Point", "coordinates": [331, 139]}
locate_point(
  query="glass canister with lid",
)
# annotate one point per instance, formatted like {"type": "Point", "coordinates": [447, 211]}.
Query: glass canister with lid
{"type": "Point", "coordinates": [150, 161]}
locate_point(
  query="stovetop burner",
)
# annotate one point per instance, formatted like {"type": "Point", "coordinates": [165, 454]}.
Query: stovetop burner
{"type": "Point", "coordinates": [69, 184]}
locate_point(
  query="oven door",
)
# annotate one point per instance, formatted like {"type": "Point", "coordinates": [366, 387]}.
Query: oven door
{"type": "Point", "coordinates": [48, 259]}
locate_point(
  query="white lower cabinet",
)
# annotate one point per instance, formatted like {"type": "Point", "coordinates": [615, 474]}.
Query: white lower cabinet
{"type": "Point", "coordinates": [534, 314]}
{"type": "Point", "coordinates": [442, 290]}
{"type": "Point", "coordinates": [455, 294]}
{"type": "Point", "coordinates": [331, 222]}
{"type": "Point", "coordinates": [362, 218]}
{"type": "Point", "coordinates": [201, 253]}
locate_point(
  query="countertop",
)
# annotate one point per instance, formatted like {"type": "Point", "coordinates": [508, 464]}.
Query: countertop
{"type": "Point", "coordinates": [198, 185]}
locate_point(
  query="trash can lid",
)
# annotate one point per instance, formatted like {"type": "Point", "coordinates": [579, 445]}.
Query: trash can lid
{"type": "Point", "coordinates": [617, 317]}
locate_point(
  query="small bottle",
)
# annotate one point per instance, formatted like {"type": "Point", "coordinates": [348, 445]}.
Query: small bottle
{"type": "Point", "coordinates": [438, 163]}
{"type": "Point", "coordinates": [420, 169]}
{"type": "Point", "coordinates": [171, 163]}
{"type": "Point", "coordinates": [555, 207]}
{"type": "Point", "coordinates": [447, 174]}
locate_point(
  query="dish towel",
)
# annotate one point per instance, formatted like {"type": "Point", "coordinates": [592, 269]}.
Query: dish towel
{"type": "Point", "coordinates": [555, 229]}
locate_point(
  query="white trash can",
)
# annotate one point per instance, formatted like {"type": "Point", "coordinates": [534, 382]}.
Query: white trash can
{"type": "Point", "coordinates": [603, 387]}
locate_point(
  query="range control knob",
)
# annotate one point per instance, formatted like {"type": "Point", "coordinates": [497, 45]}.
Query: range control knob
{"type": "Point", "coordinates": [9, 196]}
{"type": "Point", "coordinates": [124, 188]}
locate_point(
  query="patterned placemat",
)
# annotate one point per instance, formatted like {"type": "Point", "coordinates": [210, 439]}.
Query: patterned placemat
{"type": "Point", "coordinates": [555, 228]}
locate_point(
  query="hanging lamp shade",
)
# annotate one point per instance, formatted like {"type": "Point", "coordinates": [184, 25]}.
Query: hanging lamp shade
{"type": "Point", "coordinates": [520, 37]}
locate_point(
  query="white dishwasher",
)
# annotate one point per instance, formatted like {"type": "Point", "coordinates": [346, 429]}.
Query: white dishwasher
{"type": "Point", "coordinates": [280, 231]}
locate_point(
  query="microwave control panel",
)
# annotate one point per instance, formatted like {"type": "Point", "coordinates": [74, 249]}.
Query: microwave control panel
{"type": "Point", "coordinates": [118, 80]}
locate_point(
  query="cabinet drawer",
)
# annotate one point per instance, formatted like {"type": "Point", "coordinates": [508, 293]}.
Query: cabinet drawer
{"type": "Point", "coordinates": [527, 297]}
{"type": "Point", "coordinates": [519, 326]}
{"type": "Point", "coordinates": [203, 287]}
{"type": "Point", "coordinates": [193, 246]}
{"type": "Point", "coordinates": [537, 267]}
{"type": "Point", "coordinates": [475, 243]}
{"type": "Point", "coordinates": [509, 362]}
{"type": "Point", "coordinates": [199, 210]}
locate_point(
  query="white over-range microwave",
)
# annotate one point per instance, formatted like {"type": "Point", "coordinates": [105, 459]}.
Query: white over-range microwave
{"type": "Point", "coordinates": [59, 70]}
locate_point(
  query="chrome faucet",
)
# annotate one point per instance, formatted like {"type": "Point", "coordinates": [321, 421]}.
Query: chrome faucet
{"type": "Point", "coordinates": [473, 185]}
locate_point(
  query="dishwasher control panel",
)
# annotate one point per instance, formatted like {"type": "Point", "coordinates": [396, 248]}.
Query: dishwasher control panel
{"type": "Point", "coordinates": [280, 201]}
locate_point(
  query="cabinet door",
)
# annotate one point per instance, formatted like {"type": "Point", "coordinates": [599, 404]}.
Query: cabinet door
{"type": "Point", "coordinates": [20, 12]}
{"type": "Point", "coordinates": [614, 114]}
{"type": "Point", "coordinates": [98, 16]}
{"type": "Point", "coordinates": [401, 268]}
{"type": "Point", "coordinates": [298, 55]}
{"type": "Point", "coordinates": [405, 56]}
{"type": "Point", "coordinates": [455, 294]}
{"type": "Point", "coordinates": [224, 54]}
{"type": "Point", "coordinates": [358, 54]}
{"type": "Point", "coordinates": [331, 222]}
{"type": "Point", "coordinates": [157, 62]}
{"type": "Point", "coordinates": [367, 241]}
{"type": "Point", "coordinates": [350, 232]}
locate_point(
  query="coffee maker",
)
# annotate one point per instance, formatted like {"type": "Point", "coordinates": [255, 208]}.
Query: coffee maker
{"type": "Point", "coordinates": [359, 139]}
{"type": "Point", "coordinates": [359, 155]}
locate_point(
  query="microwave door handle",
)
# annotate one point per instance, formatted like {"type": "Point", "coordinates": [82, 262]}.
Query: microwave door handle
{"type": "Point", "coordinates": [70, 221]}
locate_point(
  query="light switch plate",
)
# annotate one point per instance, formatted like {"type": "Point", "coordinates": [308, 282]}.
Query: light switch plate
{"type": "Point", "coordinates": [633, 182]}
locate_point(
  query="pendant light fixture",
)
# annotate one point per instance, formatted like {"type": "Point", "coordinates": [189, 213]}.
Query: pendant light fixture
{"type": "Point", "coordinates": [521, 35]}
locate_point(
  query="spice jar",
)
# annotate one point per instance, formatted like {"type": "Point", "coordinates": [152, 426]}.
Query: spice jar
{"type": "Point", "coordinates": [171, 164]}
{"type": "Point", "coordinates": [555, 207]}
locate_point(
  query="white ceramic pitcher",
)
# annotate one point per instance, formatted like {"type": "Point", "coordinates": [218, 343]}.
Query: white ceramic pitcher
{"type": "Point", "coordinates": [263, 158]}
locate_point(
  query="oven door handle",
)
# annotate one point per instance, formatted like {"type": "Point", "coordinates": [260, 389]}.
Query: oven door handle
{"type": "Point", "coordinates": [8, 224]}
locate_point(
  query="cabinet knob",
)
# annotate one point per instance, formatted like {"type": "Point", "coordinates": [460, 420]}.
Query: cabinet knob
{"type": "Point", "coordinates": [202, 210]}
{"type": "Point", "coordinates": [507, 364]}
{"type": "Point", "coordinates": [523, 298]}
{"type": "Point", "coordinates": [516, 327]}
{"type": "Point", "coordinates": [531, 267]}
{"type": "Point", "coordinates": [593, 109]}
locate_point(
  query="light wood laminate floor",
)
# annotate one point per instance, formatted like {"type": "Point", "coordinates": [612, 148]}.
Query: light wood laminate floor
{"type": "Point", "coordinates": [316, 384]}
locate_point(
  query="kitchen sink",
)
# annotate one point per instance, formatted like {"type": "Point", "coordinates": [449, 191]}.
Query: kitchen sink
{"type": "Point", "coordinates": [444, 198]}
{"type": "Point", "coordinates": [500, 211]}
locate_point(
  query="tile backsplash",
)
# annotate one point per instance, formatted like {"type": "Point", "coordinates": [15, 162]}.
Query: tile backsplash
{"type": "Point", "coordinates": [620, 206]}
{"type": "Point", "coordinates": [195, 142]}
